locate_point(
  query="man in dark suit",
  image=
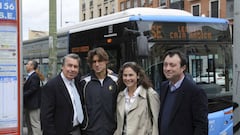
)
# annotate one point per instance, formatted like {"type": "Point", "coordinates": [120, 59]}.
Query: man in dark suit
{"type": "Point", "coordinates": [184, 107]}
{"type": "Point", "coordinates": [32, 95]}
{"type": "Point", "coordinates": [61, 108]}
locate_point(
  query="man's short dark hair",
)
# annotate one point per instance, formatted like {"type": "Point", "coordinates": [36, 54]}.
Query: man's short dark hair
{"type": "Point", "coordinates": [181, 55]}
{"type": "Point", "coordinates": [100, 52]}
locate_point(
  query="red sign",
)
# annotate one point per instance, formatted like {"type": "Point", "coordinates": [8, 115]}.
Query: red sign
{"type": "Point", "coordinates": [10, 70]}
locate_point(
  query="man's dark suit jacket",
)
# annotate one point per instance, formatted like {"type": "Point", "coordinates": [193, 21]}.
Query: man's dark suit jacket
{"type": "Point", "coordinates": [190, 110]}
{"type": "Point", "coordinates": [32, 92]}
{"type": "Point", "coordinates": [56, 108]}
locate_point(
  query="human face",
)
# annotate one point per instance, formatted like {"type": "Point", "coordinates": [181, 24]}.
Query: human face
{"type": "Point", "coordinates": [70, 68]}
{"type": "Point", "coordinates": [99, 66]}
{"type": "Point", "coordinates": [130, 78]}
{"type": "Point", "coordinates": [172, 68]}
{"type": "Point", "coordinates": [29, 66]}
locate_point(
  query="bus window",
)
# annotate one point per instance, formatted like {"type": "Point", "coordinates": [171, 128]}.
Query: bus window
{"type": "Point", "coordinates": [209, 67]}
{"type": "Point", "coordinates": [207, 46]}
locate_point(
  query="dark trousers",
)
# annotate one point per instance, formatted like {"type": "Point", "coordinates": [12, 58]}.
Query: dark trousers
{"type": "Point", "coordinates": [76, 131]}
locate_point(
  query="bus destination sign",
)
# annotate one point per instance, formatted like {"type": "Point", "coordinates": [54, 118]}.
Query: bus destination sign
{"type": "Point", "coordinates": [183, 31]}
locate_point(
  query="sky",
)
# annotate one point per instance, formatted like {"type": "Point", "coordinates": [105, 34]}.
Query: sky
{"type": "Point", "coordinates": [35, 14]}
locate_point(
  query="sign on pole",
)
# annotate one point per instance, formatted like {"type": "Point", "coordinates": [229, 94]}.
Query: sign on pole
{"type": "Point", "coordinates": [10, 61]}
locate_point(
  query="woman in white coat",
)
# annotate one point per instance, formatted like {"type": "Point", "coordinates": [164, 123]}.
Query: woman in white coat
{"type": "Point", "coordinates": [137, 103]}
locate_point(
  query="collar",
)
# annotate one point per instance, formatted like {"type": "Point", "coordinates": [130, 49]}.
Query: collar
{"type": "Point", "coordinates": [30, 73]}
{"type": "Point", "coordinates": [135, 94]}
{"type": "Point", "coordinates": [174, 87]}
{"type": "Point", "coordinates": [65, 79]}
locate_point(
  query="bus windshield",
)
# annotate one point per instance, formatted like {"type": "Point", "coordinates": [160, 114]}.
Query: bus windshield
{"type": "Point", "coordinates": [207, 46]}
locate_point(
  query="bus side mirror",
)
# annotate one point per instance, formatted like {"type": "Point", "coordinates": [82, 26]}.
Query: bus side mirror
{"type": "Point", "coordinates": [142, 46]}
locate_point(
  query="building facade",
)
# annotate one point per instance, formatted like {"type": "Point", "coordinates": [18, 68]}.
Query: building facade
{"type": "Point", "coordinates": [209, 8]}
{"type": "Point", "coordinates": [96, 8]}
{"type": "Point", "coordinates": [126, 4]}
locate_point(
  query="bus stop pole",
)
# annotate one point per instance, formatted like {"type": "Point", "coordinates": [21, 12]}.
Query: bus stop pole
{"type": "Point", "coordinates": [236, 66]}
{"type": "Point", "coordinates": [52, 40]}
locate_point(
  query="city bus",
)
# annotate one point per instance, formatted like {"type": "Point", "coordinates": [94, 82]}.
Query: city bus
{"type": "Point", "coordinates": [144, 34]}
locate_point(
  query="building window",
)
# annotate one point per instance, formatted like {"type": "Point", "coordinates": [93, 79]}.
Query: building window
{"type": "Point", "coordinates": [106, 10]}
{"type": "Point", "coordinates": [142, 2]}
{"type": "Point", "coordinates": [91, 4]}
{"type": "Point", "coordinates": [100, 12]}
{"type": "Point", "coordinates": [162, 2]}
{"type": "Point", "coordinates": [121, 6]}
{"type": "Point", "coordinates": [84, 17]}
{"type": "Point", "coordinates": [196, 10]}
{"type": "Point", "coordinates": [172, 1]}
{"type": "Point", "coordinates": [177, 4]}
{"type": "Point", "coordinates": [113, 7]}
{"type": "Point", "coordinates": [135, 3]}
{"type": "Point", "coordinates": [229, 9]}
{"type": "Point", "coordinates": [128, 4]}
{"type": "Point", "coordinates": [214, 8]}
{"type": "Point", "coordinates": [91, 16]}
{"type": "Point", "coordinates": [83, 6]}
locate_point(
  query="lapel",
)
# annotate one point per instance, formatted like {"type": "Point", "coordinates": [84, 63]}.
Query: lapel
{"type": "Point", "coordinates": [163, 94]}
{"type": "Point", "coordinates": [27, 82]}
{"type": "Point", "coordinates": [134, 105]}
{"type": "Point", "coordinates": [163, 91]}
{"type": "Point", "coordinates": [77, 87]}
{"type": "Point", "coordinates": [137, 102]}
{"type": "Point", "coordinates": [78, 90]}
{"type": "Point", "coordinates": [179, 97]}
{"type": "Point", "coordinates": [63, 89]}
{"type": "Point", "coordinates": [121, 104]}
{"type": "Point", "coordinates": [29, 77]}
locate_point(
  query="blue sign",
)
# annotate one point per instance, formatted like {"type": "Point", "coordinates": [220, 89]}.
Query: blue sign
{"type": "Point", "coordinates": [8, 10]}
